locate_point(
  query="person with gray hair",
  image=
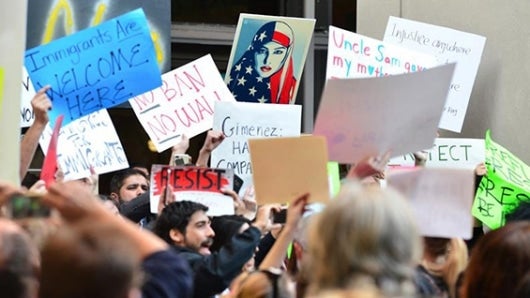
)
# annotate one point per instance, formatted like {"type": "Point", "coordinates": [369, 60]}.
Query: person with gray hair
{"type": "Point", "coordinates": [365, 241]}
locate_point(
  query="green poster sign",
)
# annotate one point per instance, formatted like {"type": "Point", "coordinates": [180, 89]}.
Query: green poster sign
{"type": "Point", "coordinates": [503, 187]}
{"type": "Point", "coordinates": [333, 178]}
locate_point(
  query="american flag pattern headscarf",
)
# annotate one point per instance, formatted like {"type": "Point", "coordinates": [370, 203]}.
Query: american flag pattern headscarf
{"type": "Point", "coordinates": [245, 82]}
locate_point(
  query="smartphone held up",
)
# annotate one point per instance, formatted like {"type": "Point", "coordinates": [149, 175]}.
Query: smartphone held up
{"type": "Point", "coordinates": [26, 206]}
{"type": "Point", "coordinates": [280, 216]}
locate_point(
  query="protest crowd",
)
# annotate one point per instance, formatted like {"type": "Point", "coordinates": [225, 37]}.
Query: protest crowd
{"type": "Point", "coordinates": [262, 211]}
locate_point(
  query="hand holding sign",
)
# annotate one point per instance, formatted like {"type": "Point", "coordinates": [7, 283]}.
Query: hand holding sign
{"type": "Point", "coordinates": [370, 166]}
{"type": "Point", "coordinates": [239, 206]}
{"type": "Point", "coordinates": [296, 210]}
{"type": "Point", "coordinates": [41, 104]}
{"type": "Point", "coordinates": [167, 197]}
{"type": "Point", "coordinates": [480, 169]}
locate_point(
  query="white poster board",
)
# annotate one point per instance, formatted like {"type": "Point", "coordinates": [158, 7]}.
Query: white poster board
{"type": "Point", "coordinates": [448, 45]}
{"type": "Point", "coordinates": [448, 153]}
{"type": "Point", "coordinates": [240, 121]}
{"type": "Point", "coordinates": [184, 104]}
{"type": "Point", "coordinates": [351, 55]}
{"type": "Point", "coordinates": [441, 199]}
{"type": "Point", "coordinates": [370, 116]}
{"type": "Point", "coordinates": [26, 94]}
{"type": "Point", "coordinates": [90, 141]}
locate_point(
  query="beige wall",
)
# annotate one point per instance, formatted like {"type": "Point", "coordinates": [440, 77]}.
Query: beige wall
{"type": "Point", "coordinates": [12, 41]}
{"type": "Point", "coordinates": [501, 95]}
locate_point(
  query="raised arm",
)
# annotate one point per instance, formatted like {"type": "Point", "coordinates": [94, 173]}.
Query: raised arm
{"type": "Point", "coordinates": [180, 148]}
{"type": "Point", "coordinates": [370, 166]}
{"type": "Point", "coordinates": [40, 104]}
{"type": "Point", "coordinates": [276, 255]}
{"type": "Point", "coordinates": [213, 139]}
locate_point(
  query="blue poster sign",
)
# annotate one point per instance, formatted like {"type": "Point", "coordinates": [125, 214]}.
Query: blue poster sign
{"type": "Point", "coordinates": [96, 68]}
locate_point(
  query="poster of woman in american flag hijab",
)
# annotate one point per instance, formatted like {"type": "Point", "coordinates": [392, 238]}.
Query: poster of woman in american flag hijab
{"type": "Point", "coordinates": [268, 57]}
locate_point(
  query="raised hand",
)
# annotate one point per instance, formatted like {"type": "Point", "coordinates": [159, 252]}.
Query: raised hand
{"type": "Point", "coordinates": [74, 201]}
{"type": "Point", "coordinates": [370, 166]}
{"type": "Point", "coordinates": [296, 210]}
{"type": "Point", "coordinates": [182, 146]}
{"type": "Point", "coordinates": [41, 104]}
{"type": "Point", "coordinates": [213, 139]}
{"type": "Point", "coordinates": [167, 197]}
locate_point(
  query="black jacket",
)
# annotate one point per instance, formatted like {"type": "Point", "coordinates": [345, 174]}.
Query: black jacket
{"type": "Point", "coordinates": [137, 208]}
{"type": "Point", "coordinates": [214, 273]}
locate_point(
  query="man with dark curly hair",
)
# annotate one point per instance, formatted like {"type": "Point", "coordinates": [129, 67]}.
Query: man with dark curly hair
{"type": "Point", "coordinates": [186, 226]}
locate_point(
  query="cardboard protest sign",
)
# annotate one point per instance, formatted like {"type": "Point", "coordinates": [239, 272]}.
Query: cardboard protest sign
{"type": "Point", "coordinates": [448, 153]}
{"type": "Point", "coordinates": [268, 57]}
{"type": "Point", "coordinates": [300, 168]}
{"type": "Point", "coordinates": [441, 199]}
{"type": "Point", "coordinates": [506, 183]}
{"type": "Point", "coordinates": [448, 45]}
{"type": "Point", "coordinates": [364, 117]}
{"type": "Point", "coordinates": [201, 185]}
{"type": "Point", "coordinates": [90, 141]}
{"type": "Point", "coordinates": [184, 104]}
{"type": "Point", "coordinates": [27, 116]}
{"type": "Point", "coordinates": [351, 55]}
{"type": "Point", "coordinates": [240, 121]}
{"type": "Point", "coordinates": [12, 39]}
{"type": "Point", "coordinates": [96, 68]}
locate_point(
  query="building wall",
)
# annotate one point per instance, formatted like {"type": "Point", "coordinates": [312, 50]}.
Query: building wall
{"type": "Point", "coordinates": [500, 99]}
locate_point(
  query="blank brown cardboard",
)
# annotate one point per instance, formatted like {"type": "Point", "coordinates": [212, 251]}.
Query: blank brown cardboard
{"type": "Point", "coordinates": [286, 167]}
